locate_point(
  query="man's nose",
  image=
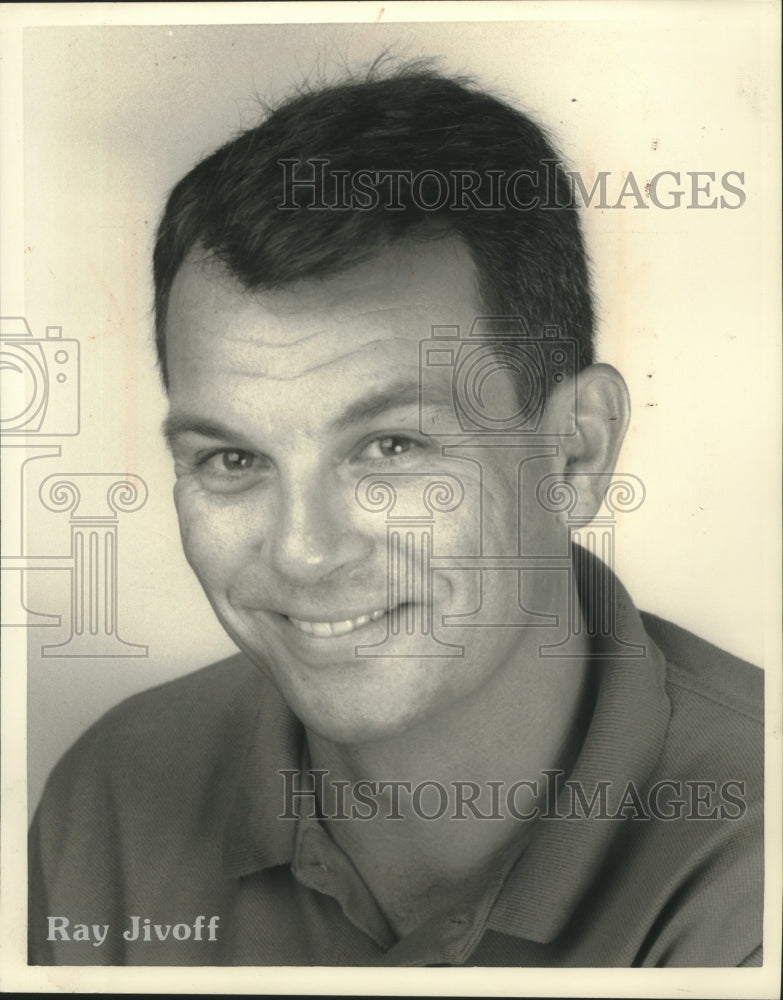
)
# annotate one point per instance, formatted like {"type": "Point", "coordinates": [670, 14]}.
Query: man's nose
{"type": "Point", "coordinates": [314, 534]}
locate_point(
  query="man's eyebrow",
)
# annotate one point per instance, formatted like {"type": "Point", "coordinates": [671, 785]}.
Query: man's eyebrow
{"type": "Point", "coordinates": [400, 394]}
{"type": "Point", "coordinates": [374, 404]}
{"type": "Point", "coordinates": [177, 424]}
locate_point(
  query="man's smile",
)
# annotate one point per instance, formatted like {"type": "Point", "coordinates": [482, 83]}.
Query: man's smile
{"type": "Point", "coordinates": [328, 629]}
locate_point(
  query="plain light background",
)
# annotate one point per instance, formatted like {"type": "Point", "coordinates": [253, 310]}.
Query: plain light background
{"type": "Point", "coordinates": [113, 116]}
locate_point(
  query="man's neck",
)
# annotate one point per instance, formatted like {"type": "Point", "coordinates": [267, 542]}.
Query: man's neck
{"type": "Point", "coordinates": [436, 811]}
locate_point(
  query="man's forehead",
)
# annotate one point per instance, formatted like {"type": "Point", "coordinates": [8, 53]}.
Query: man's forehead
{"type": "Point", "coordinates": [407, 276]}
{"type": "Point", "coordinates": [373, 315]}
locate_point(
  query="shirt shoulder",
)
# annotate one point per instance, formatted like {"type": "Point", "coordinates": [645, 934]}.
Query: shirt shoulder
{"type": "Point", "coordinates": [716, 726]}
{"type": "Point", "coordinates": [151, 779]}
{"type": "Point", "coordinates": [164, 744]}
{"type": "Point", "coordinates": [707, 672]}
{"type": "Point", "coordinates": [186, 716]}
{"type": "Point", "coordinates": [713, 755]}
{"type": "Point", "coordinates": [169, 748]}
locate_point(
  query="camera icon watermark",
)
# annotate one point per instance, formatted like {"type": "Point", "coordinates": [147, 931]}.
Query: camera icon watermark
{"type": "Point", "coordinates": [469, 366]}
{"type": "Point", "coordinates": [40, 401]}
{"type": "Point", "coordinates": [40, 381]}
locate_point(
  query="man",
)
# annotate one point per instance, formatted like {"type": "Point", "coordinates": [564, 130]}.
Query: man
{"type": "Point", "coordinates": [447, 739]}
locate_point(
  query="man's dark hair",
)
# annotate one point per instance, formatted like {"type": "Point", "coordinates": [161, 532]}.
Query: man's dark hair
{"type": "Point", "coordinates": [530, 261]}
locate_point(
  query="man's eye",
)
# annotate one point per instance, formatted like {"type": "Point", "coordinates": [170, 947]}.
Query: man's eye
{"type": "Point", "coordinates": [393, 447]}
{"type": "Point", "coordinates": [232, 461]}
{"type": "Point", "coordinates": [231, 469]}
{"type": "Point", "coordinates": [389, 448]}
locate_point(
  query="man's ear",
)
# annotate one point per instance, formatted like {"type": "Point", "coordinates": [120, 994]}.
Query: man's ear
{"type": "Point", "coordinates": [599, 410]}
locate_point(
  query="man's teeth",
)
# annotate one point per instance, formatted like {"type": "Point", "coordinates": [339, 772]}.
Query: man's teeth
{"type": "Point", "coordinates": [324, 630]}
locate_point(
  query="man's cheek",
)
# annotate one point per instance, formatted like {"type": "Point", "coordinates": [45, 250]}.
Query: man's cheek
{"type": "Point", "coordinates": [214, 532]}
{"type": "Point", "coordinates": [193, 526]}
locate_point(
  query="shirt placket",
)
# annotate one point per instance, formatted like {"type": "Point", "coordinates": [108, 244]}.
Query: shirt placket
{"type": "Point", "coordinates": [320, 865]}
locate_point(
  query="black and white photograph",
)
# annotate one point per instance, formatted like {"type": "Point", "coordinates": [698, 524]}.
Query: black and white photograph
{"type": "Point", "coordinates": [391, 453]}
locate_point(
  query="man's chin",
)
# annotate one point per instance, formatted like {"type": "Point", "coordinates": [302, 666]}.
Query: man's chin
{"type": "Point", "coordinates": [340, 693]}
{"type": "Point", "coordinates": [354, 703]}
{"type": "Point", "coordinates": [359, 728]}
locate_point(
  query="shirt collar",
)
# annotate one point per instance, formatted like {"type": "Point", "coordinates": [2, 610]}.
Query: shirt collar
{"type": "Point", "coordinates": [624, 741]}
{"type": "Point", "coordinates": [255, 836]}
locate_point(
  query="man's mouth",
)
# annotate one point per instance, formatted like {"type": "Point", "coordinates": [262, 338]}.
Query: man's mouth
{"type": "Point", "coordinates": [326, 630]}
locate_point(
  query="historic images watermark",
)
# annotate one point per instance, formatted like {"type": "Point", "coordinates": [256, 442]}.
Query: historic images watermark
{"type": "Point", "coordinates": [311, 184]}
{"type": "Point", "coordinates": [41, 403]}
{"type": "Point", "coordinates": [549, 796]}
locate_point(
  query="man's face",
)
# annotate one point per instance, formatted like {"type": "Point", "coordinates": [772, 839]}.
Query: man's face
{"type": "Point", "coordinates": [281, 403]}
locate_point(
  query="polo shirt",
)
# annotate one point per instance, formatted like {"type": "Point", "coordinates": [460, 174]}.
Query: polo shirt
{"type": "Point", "coordinates": [158, 840]}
